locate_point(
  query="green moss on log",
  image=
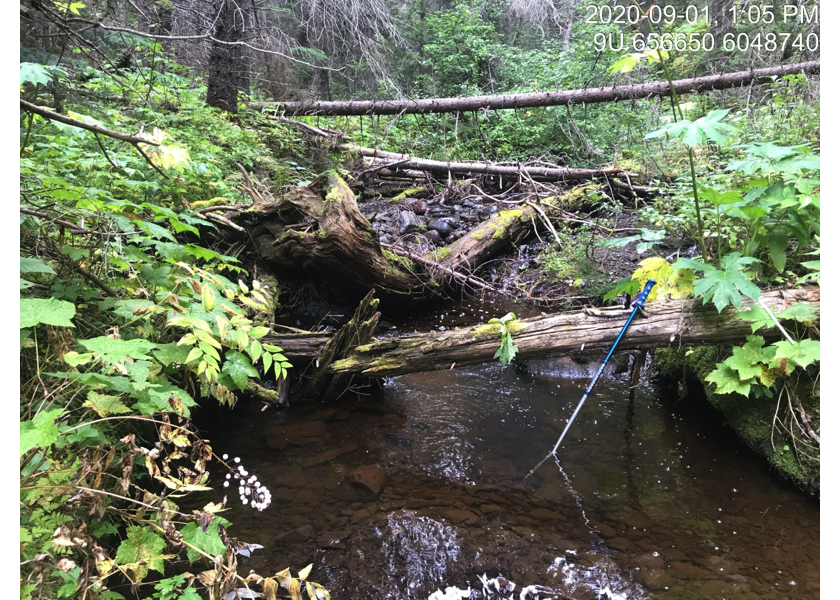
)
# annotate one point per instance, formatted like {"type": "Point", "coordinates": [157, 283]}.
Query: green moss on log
{"type": "Point", "coordinates": [406, 194]}
{"type": "Point", "coordinates": [439, 254]}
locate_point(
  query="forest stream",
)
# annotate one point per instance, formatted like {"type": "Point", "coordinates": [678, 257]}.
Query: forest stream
{"type": "Point", "coordinates": [419, 490]}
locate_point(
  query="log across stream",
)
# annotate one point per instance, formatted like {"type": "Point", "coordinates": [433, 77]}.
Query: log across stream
{"type": "Point", "coordinates": [671, 323]}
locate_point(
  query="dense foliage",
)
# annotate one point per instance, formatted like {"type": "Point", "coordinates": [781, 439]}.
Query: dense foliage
{"type": "Point", "coordinates": [130, 315]}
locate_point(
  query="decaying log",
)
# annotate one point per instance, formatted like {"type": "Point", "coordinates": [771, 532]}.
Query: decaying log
{"type": "Point", "coordinates": [671, 323]}
{"type": "Point", "coordinates": [558, 98]}
{"type": "Point", "coordinates": [300, 348]}
{"type": "Point", "coordinates": [479, 168]}
{"type": "Point", "coordinates": [505, 228]}
{"type": "Point", "coordinates": [321, 382]}
{"type": "Point", "coordinates": [318, 228]}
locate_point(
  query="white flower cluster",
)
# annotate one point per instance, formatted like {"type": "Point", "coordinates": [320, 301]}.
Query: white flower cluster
{"type": "Point", "coordinates": [251, 491]}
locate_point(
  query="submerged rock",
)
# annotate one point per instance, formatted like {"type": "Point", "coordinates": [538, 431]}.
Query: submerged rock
{"type": "Point", "coordinates": [369, 477]}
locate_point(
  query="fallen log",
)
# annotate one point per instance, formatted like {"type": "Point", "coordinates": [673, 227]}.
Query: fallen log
{"type": "Point", "coordinates": [480, 168]}
{"type": "Point", "coordinates": [505, 228]}
{"type": "Point", "coordinates": [317, 228]}
{"type": "Point", "coordinates": [325, 385]}
{"type": "Point", "coordinates": [557, 98]}
{"type": "Point", "coordinates": [671, 323]}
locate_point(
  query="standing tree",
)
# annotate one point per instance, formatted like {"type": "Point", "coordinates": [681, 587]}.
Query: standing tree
{"type": "Point", "coordinates": [225, 63]}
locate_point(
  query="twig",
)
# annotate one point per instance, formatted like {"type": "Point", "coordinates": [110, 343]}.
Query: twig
{"type": "Point", "coordinates": [436, 266]}
{"type": "Point", "coordinates": [237, 207]}
{"type": "Point", "coordinates": [546, 220]}
{"type": "Point", "coordinates": [225, 221]}
{"type": "Point", "coordinates": [105, 152]}
{"type": "Point", "coordinates": [54, 116]}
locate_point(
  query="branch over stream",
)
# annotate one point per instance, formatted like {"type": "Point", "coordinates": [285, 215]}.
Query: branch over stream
{"type": "Point", "coordinates": [557, 98]}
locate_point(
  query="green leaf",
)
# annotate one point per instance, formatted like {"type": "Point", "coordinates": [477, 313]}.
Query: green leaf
{"type": "Point", "coordinates": [618, 242]}
{"type": "Point", "coordinates": [169, 354]}
{"type": "Point", "coordinates": [50, 312]}
{"type": "Point", "coordinates": [105, 405]}
{"type": "Point", "coordinates": [627, 285]}
{"type": "Point", "coordinates": [114, 351]}
{"type": "Point", "coordinates": [801, 354]}
{"type": "Point", "coordinates": [75, 253]}
{"type": "Point", "coordinates": [194, 354]}
{"type": "Point", "coordinates": [777, 246]}
{"type": "Point", "coordinates": [34, 265]}
{"type": "Point", "coordinates": [239, 368]}
{"type": "Point", "coordinates": [507, 350]}
{"type": "Point", "coordinates": [801, 312]}
{"type": "Point", "coordinates": [40, 431]}
{"type": "Point", "coordinates": [727, 381]}
{"type": "Point", "coordinates": [35, 74]}
{"type": "Point", "coordinates": [155, 276]}
{"type": "Point", "coordinates": [126, 308]}
{"type": "Point", "coordinates": [757, 316]}
{"type": "Point", "coordinates": [141, 551]}
{"type": "Point", "coordinates": [723, 287]}
{"type": "Point", "coordinates": [746, 361]}
{"type": "Point", "coordinates": [209, 541]}
{"type": "Point", "coordinates": [625, 64]}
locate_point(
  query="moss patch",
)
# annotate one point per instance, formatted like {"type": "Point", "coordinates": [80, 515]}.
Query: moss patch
{"type": "Point", "coordinates": [406, 194]}
{"type": "Point", "coordinates": [439, 254]}
{"type": "Point", "coordinates": [751, 418]}
{"type": "Point", "coordinates": [396, 259]}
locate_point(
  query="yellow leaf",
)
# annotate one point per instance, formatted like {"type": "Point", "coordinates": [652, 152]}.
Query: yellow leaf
{"type": "Point", "coordinates": [223, 325]}
{"type": "Point", "coordinates": [269, 587]}
{"type": "Point", "coordinates": [304, 573]}
{"type": "Point", "coordinates": [208, 298]}
{"type": "Point", "coordinates": [294, 589]}
{"type": "Point", "coordinates": [671, 283]}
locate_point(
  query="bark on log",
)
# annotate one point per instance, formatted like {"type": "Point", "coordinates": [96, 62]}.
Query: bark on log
{"type": "Point", "coordinates": [506, 228]}
{"type": "Point", "coordinates": [478, 168]}
{"type": "Point", "coordinates": [566, 97]}
{"type": "Point", "coordinates": [318, 229]}
{"type": "Point", "coordinates": [322, 383]}
{"type": "Point", "coordinates": [672, 323]}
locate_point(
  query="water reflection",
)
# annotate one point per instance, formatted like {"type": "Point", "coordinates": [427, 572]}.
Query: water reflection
{"type": "Point", "coordinates": [641, 503]}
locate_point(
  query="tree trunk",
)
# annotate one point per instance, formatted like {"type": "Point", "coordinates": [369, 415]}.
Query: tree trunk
{"type": "Point", "coordinates": [478, 168]}
{"type": "Point", "coordinates": [225, 63]}
{"type": "Point", "coordinates": [566, 97]}
{"type": "Point", "coordinates": [321, 383]}
{"type": "Point", "coordinates": [318, 229]}
{"type": "Point", "coordinates": [672, 323]}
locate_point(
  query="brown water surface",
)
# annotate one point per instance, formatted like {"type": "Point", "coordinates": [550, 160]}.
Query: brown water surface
{"type": "Point", "coordinates": [652, 498]}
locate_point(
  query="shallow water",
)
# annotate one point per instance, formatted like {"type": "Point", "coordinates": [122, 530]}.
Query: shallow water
{"type": "Point", "coordinates": [652, 498]}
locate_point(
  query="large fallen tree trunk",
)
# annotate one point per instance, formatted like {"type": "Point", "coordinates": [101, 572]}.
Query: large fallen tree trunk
{"type": "Point", "coordinates": [565, 97]}
{"type": "Point", "coordinates": [317, 228]}
{"type": "Point", "coordinates": [480, 168]}
{"type": "Point", "coordinates": [677, 322]}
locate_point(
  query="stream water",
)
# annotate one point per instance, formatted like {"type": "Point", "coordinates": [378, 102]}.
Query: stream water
{"type": "Point", "coordinates": [652, 497]}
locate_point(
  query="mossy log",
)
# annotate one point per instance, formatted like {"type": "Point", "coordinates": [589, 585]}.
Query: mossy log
{"type": "Point", "coordinates": [501, 231]}
{"type": "Point", "coordinates": [672, 323]}
{"type": "Point", "coordinates": [317, 228]}
{"type": "Point", "coordinates": [321, 383]}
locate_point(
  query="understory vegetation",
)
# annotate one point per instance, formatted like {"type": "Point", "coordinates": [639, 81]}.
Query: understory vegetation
{"type": "Point", "coordinates": [133, 314]}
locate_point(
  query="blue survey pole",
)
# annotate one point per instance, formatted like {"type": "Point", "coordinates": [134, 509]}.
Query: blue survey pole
{"type": "Point", "coordinates": [637, 306]}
